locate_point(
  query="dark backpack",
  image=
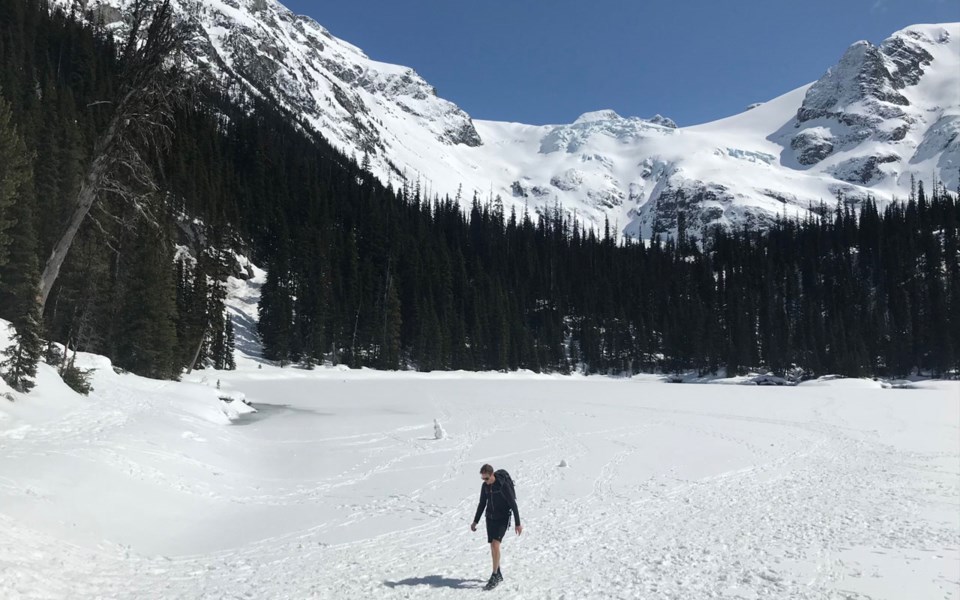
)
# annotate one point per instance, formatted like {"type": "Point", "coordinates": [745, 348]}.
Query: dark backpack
{"type": "Point", "coordinates": [505, 478]}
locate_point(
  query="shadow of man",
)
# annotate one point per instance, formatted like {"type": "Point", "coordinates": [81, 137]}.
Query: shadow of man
{"type": "Point", "coordinates": [437, 581]}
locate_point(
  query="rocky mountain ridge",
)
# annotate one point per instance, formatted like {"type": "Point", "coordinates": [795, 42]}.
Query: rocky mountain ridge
{"type": "Point", "coordinates": [884, 113]}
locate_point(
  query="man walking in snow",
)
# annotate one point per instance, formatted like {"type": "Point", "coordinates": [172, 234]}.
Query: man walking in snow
{"type": "Point", "coordinates": [498, 497]}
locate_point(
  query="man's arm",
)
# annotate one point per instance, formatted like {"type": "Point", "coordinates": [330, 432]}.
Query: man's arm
{"type": "Point", "coordinates": [483, 503]}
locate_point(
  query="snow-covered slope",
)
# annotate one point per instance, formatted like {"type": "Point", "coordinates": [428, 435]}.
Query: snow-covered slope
{"type": "Point", "coordinates": [882, 114]}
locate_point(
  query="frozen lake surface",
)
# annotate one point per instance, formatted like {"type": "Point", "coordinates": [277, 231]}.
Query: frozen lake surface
{"type": "Point", "coordinates": [337, 488]}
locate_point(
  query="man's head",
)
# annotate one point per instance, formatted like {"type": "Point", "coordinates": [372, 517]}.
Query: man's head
{"type": "Point", "coordinates": [486, 473]}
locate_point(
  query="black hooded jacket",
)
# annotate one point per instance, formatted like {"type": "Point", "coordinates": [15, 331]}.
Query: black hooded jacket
{"type": "Point", "coordinates": [499, 501]}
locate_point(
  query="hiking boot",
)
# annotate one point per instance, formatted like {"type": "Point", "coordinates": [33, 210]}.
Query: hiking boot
{"type": "Point", "coordinates": [494, 580]}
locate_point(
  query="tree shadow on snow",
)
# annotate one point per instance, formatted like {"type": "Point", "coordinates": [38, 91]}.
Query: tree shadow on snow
{"type": "Point", "coordinates": [245, 336]}
{"type": "Point", "coordinates": [437, 581]}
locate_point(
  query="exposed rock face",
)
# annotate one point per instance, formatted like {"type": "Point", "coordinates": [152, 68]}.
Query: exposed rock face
{"type": "Point", "coordinates": [812, 146]}
{"type": "Point", "coordinates": [863, 96]}
{"type": "Point", "coordinates": [862, 74]}
{"type": "Point", "coordinates": [664, 121]}
{"type": "Point", "coordinates": [863, 169]}
{"type": "Point", "coordinates": [703, 206]}
{"type": "Point", "coordinates": [569, 180]}
{"type": "Point", "coordinates": [941, 142]}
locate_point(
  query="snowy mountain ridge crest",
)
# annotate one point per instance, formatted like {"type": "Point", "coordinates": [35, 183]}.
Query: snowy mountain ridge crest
{"type": "Point", "coordinates": [882, 115]}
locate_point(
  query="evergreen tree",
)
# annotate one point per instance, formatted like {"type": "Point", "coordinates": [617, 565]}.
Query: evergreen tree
{"type": "Point", "coordinates": [148, 343]}
{"type": "Point", "coordinates": [19, 366]}
{"type": "Point", "coordinates": [230, 362]}
{"type": "Point", "coordinates": [276, 315]}
{"type": "Point", "coordinates": [18, 259]}
{"type": "Point", "coordinates": [14, 175]}
{"type": "Point", "coordinates": [392, 325]}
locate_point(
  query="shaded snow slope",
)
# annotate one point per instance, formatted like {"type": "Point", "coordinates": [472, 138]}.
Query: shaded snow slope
{"type": "Point", "coordinates": [338, 487]}
{"type": "Point", "coordinates": [242, 304]}
{"type": "Point", "coordinates": [880, 115]}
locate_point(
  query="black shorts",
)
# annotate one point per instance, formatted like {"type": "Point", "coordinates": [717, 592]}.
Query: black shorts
{"type": "Point", "coordinates": [496, 530]}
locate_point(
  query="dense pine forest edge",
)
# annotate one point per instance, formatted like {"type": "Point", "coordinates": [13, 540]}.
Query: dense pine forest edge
{"type": "Point", "coordinates": [366, 275]}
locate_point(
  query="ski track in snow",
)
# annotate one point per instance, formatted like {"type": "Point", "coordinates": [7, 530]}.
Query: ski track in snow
{"type": "Point", "coordinates": [817, 507]}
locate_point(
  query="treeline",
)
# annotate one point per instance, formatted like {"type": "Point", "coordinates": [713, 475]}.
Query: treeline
{"type": "Point", "coordinates": [365, 275]}
{"type": "Point", "coordinates": [858, 294]}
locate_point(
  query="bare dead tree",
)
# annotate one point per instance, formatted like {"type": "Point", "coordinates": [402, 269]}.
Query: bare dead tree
{"type": "Point", "coordinates": [152, 87]}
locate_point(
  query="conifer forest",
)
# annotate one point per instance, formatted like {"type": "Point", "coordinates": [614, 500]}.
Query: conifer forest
{"type": "Point", "coordinates": [364, 274]}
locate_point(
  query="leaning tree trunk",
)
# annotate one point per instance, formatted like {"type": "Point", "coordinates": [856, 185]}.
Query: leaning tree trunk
{"type": "Point", "coordinates": [85, 199]}
{"type": "Point", "coordinates": [141, 122]}
{"type": "Point", "coordinates": [196, 353]}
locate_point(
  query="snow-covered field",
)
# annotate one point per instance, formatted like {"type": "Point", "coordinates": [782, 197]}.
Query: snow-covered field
{"type": "Point", "coordinates": [337, 488]}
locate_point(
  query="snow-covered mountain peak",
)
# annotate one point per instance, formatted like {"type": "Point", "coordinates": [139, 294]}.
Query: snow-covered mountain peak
{"type": "Point", "coordinates": [588, 127]}
{"type": "Point", "coordinates": [609, 115]}
{"type": "Point", "coordinates": [869, 114]}
{"type": "Point", "coordinates": [871, 77]}
{"type": "Point", "coordinates": [659, 119]}
{"type": "Point", "coordinates": [597, 115]}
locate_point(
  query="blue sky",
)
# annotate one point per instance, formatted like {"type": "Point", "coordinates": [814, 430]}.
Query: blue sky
{"type": "Point", "coordinates": [548, 61]}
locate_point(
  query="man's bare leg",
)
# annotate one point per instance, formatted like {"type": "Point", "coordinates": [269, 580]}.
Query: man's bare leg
{"type": "Point", "coordinates": [495, 554]}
